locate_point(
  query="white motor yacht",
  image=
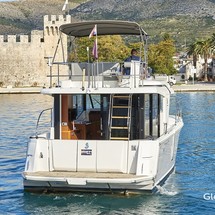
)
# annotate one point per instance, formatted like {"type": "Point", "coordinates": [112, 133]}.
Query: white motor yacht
{"type": "Point", "coordinates": [109, 132]}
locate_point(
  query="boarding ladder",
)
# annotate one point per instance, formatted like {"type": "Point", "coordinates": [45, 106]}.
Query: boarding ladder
{"type": "Point", "coordinates": [120, 116]}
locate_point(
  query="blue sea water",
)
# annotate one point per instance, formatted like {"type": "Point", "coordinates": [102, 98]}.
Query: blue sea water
{"type": "Point", "coordinates": [190, 190]}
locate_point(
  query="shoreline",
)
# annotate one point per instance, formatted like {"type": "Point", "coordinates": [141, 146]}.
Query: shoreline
{"type": "Point", "coordinates": [198, 87]}
{"type": "Point", "coordinates": [21, 90]}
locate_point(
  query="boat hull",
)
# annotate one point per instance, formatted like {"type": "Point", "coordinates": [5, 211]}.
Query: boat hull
{"type": "Point", "coordinates": [161, 163]}
{"type": "Point", "coordinates": [147, 186]}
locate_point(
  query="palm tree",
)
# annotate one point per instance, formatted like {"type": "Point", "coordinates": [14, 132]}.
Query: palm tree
{"type": "Point", "coordinates": [203, 48]}
{"type": "Point", "coordinates": [192, 51]}
{"type": "Point", "coordinates": [213, 43]}
{"type": "Point", "coordinates": [213, 51]}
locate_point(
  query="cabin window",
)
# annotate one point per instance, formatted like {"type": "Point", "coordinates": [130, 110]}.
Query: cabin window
{"type": "Point", "coordinates": [80, 116]}
{"type": "Point", "coordinates": [56, 116]}
{"type": "Point", "coordinates": [105, 102]}
{"type": "Point", "coordinates": [146, 116]}
{"type": "Point", "coordinates": [155, 131]}
{"type": "Point", "coordinates": [145, 122]}
{"type": "Point", "coordinates": [152, 116]}
{"type": "Point", "coordinates": [88, 117]}
{"type": "Point", "coordinates": [85, 103]}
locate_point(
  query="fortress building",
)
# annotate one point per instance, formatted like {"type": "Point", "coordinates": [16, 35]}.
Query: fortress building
{"type": "Point", "coordinates": [23, 58]}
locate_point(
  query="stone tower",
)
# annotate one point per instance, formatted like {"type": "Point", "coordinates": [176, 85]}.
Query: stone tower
{"type": "Point", "coordinates": [23, 57]}
{"type": "Point", "coordinates": [51, 41]}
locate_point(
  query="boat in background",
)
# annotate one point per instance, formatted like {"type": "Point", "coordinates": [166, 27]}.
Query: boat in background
{"type": "Point", "coordinates": [109, 132]}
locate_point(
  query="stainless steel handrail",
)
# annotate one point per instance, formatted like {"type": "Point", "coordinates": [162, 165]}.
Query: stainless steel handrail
{"type": "Point", "coordinates": [38, 120]}
{"type": "Point", "coordinates": [93, 72]}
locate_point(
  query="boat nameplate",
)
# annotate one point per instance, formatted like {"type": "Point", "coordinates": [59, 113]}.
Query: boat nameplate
{"type": "Point", "coordinates": [86, 151]}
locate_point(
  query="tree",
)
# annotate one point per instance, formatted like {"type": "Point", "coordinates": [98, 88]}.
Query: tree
{"type": "Point", "coordinates": [79, 51]}
{"type": "Point", "coordinates": [160, 57]}
{"type": "Point", "coordinates": [212, 42]}
{"type": "Point", "coordinates": [213, 47]}
{"type": "Point", "coordinates": [110, 48]}
{"type": "Point", "coordinates": [204, 49]}
{"type": "Point", "coordinates": [114, 49]}
{"type": "Point", "coordinates": [166, 37]}
{"type": "Point", "coordinates": [191, 50]}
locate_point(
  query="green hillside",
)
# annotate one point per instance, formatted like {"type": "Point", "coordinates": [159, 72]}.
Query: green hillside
{"type": "Point", "coordinates": [184, 30]}
{"type": "Point", "coordinates": [185, 20]}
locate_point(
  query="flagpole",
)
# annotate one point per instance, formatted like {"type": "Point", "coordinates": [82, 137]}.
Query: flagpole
{"type": "Point", "coordinates": [97, 61]}
{"type": "Point", "coordinates": [88, 65]}
{"type": "Point", "coordinates": [95, 54]}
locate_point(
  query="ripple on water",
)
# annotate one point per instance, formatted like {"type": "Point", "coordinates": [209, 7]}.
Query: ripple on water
{"type": "Point", "coordinates": [182, 193]}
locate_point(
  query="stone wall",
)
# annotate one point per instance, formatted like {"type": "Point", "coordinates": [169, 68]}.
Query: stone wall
{"type": "Point", "coordinates": [23, 57]}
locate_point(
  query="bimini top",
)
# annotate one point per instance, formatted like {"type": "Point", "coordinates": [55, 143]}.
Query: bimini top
{"type": "Point", "coordinates": [104, 27]}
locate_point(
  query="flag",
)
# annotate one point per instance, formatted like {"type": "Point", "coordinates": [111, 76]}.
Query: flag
{"type": "Point", "coordinates": [93, 32]}
{"type": "Point", "coordinates": [95, 50]}
{"type": "Point", "coordinates": [64, 6]}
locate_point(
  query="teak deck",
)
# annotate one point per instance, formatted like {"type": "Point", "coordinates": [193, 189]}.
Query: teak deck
{"type": "Point", "coordinates": [82, 174]}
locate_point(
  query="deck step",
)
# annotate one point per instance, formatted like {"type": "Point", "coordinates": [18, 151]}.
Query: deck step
{"type": "Point", "coordinates": [115, 127]}
{"type": "Point", "coordinates": [120, 117]}
{"type": "Point", "coordinates": [118, 106]}
{"type": "Point", "coordinates": [126, 97]}
{"type": "Point", "coordinates": [119, 138]}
